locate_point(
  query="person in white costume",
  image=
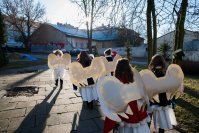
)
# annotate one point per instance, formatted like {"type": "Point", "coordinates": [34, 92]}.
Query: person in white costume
{"type": "Point", "coordinates": [122, 99]}
{"type": "Point", "coordinates": [109, 57]}
{"type": "Point", "coordinates": [58, 63]}
{"type": "Point", "coordinates": [161, 107]}
{"type": "Point", "coordinates": [88, 92]}
{"type": "Point", "coordinates": [108, 54]}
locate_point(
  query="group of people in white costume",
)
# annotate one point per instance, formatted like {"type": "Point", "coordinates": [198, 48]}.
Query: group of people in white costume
{"type": "Point", "coordinates": [129, 99]}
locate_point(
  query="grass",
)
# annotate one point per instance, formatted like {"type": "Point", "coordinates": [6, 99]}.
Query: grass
{"type": "Point", "coordinates": [187, 109]}
{"type": "Point", "coordinates": [140, 67]}
{"type": "Point", "coordinates": [22, 64]}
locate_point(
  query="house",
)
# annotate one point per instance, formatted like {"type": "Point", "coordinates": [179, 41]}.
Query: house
{"type": "Point", "coordinates": [190, 46]}
{"type": "Point", "coordinates": [58, 36]}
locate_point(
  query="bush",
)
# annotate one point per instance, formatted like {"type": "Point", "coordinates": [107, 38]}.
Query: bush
{"type": "Point", "coordinates": [128, 50]}
{"type": "Point", "coordinates": [4, 60]}
{"type": "Point", "coordinates": [164, 50]}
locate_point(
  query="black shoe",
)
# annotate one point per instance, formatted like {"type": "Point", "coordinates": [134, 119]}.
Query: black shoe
{"type": "Point", "coordinates": [61, 83]}
{"type": "Point", "coordinates": [56, 82]}
{"type": "Point", "coordinates": [87, 104]}
{"type": "Point", "coordinates": [161, 130]}
{"type": "Point", "coordinates": [91, 105]}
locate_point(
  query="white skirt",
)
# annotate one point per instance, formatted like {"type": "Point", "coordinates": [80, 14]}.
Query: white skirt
{"type": "Point", "coordinates": [163, 117]}
{"type": "Point", "coordinates": [141, 129]}
{"type": "Point", "coordinates": [59, 73]}
{"type": "Point", "coordinates": [88, 93]}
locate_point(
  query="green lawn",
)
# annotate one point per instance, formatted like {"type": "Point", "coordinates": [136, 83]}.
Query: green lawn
{"type": "Point", "coordinates": [22, 64]}
{"type": "Point", "coordinates": [187, 109]}
{"type": "Point", "coordinates": [140, 67]}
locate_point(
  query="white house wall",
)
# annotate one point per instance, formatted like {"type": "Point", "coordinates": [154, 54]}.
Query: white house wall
{"type": "Point", "coordinates": [191, 56]}
{"type": "Point", "coordinates": [188, 37]}
{"type": "Point", "coordinates": [136, 51]}
{"type": "Point", "coordinates": [79, 43]}
{"type": "Point", "coordinates": [169, 38]}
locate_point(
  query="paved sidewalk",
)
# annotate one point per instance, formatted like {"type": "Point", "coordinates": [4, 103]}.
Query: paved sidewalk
{"type": "Point", "coordinates": [49, 111]}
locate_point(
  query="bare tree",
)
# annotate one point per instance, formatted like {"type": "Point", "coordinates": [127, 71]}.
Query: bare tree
{"type": "Point", "coordinates": [128, 38]}
{"type": "Point", "coordinates": [92, 9]}
{"type": "Point", "coordinates": [167, 16]}
{"type": "Point", "coordinates": [22, 15]}
{"type": "Point", "coordinates": [179, 32]}
{"type": "Point", "coordinates": [3, 39]}
{"type": "Point", "coordinates": [152, 39]}
{"type": "Point", "coordinates": [124, 34]}
{"type": "Point", "coordinates": [132, 10]}
{"type": "Point", "coordinates": [135, 18]}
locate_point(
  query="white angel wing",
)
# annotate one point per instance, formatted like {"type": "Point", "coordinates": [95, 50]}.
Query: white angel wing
{"type": "Point", "coordinates": [140, 83]}
{"type": "Point", "coordinates": [76, 73]}
{"type": "Point", "coordinates": [106, 111]}
{"type": "Point", "coordinates": [54, 61]}
{"type": "Point", "coordinates": [115, 96]}
{"type": "Point", "coordinates": [170, 83]}
{"type": "Point", "coordinates": [96, 69]}
{"type": "Point", "coordinates": [110, 65]}
{"type": "Point", "coordinates": [79, 75]}
{"type": "Point", "coordinates": [51, 61]}
{"type": "Point", "coordinates": [66, 60]}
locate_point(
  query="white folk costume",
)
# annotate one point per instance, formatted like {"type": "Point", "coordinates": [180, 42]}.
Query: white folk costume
{"type": "Point", "coordinates": [123, 103]}
{"type": "Point", "coordinates": [161, 89]}
{"type": "Point", "coordinates": [85, 78]}
{"type": "Point", "coordinates": [58, 63]}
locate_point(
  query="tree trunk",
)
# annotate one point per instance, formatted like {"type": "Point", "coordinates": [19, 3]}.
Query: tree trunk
{"type": "Point", "coordinates": [91, 28]}
{"type": "Point", "coordinates": [2, 57]}
{"type": "Point", "coordinates": [154, 45]}
{"type": "Point", "coordinates": [28, 34]}
{"type": "Point", "coordinates": [179, 33]}
{"type": "Point", "coordinates": [149, 30]}
{"type": "Point", "coordinates": [25, 41]}
{"type": "Point", "coordinates": [90, 44]}
{"type": "Point", "coordinates": [90, 36]}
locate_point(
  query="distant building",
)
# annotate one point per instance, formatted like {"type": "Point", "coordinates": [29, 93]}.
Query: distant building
{"type": "Point", "coordinates": [51, 36]}
{"type": "Point", "coordinates": [190, 46]}
{"type": "Point", "coordinates": [13, 35]}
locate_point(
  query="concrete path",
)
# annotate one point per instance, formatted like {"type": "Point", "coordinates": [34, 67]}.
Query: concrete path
{"type": "Point", "coordinates": [49, 111]}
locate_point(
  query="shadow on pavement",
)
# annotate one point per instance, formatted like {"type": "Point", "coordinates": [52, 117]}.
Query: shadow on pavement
{"type": "Point", "coordinates": [35, 121]}
{"type": "Point", "coordinates": [87, 120]}
{"type": "Point", "coordinates": [26, 78]}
